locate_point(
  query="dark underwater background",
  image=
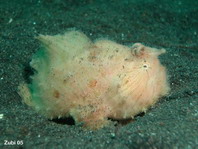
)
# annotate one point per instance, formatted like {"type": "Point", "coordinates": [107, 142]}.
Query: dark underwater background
{"type": "Point", "coordinates": [171, 24]}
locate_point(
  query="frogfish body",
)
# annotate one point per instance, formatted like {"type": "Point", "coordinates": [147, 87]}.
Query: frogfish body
{"type": "Point", "coordinates": [93, 81]}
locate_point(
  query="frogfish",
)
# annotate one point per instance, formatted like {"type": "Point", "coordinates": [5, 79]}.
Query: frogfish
{"type": "Point", "coordinates": [93, 81]}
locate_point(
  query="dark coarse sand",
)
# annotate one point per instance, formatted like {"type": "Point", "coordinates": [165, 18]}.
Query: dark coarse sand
{"type": "Point", "coordinates": [172, 123]}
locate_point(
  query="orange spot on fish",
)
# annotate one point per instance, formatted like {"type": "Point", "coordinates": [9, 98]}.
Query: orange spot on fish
{"type": "Point", "coordinates": [56, 94]}
{"type": "Point", "coordinates": [92, 83]}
